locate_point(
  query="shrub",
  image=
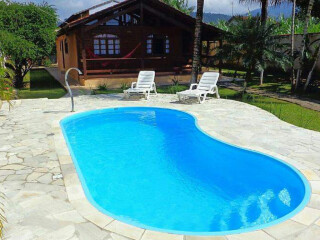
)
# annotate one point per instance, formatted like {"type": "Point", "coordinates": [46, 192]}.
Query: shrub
{"type": "Point", "coordinates": [103, 86]}
{"type": "Point", "coordinates": [124, 86]}
{"type": "Point", "coordinates": [6, 76]}
{"type": "Point", "coordinates": [47, 62]}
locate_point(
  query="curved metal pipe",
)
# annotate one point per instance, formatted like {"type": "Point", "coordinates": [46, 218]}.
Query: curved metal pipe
{"type": "Point", "coordinates": [67, 84]}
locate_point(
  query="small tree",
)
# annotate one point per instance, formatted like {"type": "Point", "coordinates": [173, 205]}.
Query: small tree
{"type": "Point", "coordinates": [254, 45]}
{"type": "Point", "coordinates": [27, 34]}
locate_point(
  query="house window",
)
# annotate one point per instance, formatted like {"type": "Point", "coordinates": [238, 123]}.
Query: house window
{"type": "Point", "coordinates": [66, 46]}
{"type": "Point", "coordinates": [123, 20]}
{"type": "Point", "coordinates": [106, 44]}
{"type": "Point", "coordinates": [158, 44]}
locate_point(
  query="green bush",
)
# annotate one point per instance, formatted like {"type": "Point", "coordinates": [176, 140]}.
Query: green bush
{"type": "Point", "coordinates": [124, 86]}
{"type": "Point", "coordinates": [47, 62]}
{"type": "Point", "coordinates": [6, 76]}
{"type": "Point", "coordinates": [103, 87]}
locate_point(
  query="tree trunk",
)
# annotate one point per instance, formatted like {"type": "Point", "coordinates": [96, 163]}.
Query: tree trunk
{"type": "Point", "coordinates": [303, 43]}
{"type": "Point", "coordinates": [247, 79]}
{"type": "Point", "coordinates": [220, 60]}
{"type": "Point", "coordinates": [264, 11]}
{"type": "Point", "coordinates": [18, 79]}
{"type": "Point", "coordinates": [236, 70]}
{"type": "Point", "coordinates": [264, 18]}
{"type": "Point", "coordinates": [261, 77]}
{"type": "Point", "coordinates": [312, 69]}
{"type": "Point", "coordinates": [293, 16]}
{"type": "Point", "coordinates": [197, 43]}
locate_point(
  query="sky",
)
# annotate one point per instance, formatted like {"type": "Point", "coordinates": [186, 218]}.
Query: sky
{"type": "Point", "coordinates": [67, 7]}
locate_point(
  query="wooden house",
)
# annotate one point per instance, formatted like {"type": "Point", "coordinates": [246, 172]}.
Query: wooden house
{"type": "Point", "coordinates": [117, 39]}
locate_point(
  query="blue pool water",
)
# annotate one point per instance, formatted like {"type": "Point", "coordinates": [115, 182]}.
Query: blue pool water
{"type": "Point", "coordinates": [154, 168]}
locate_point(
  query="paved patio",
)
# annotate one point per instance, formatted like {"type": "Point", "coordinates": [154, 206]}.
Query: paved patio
{"type": "Point", "coordinates": [40, 204]}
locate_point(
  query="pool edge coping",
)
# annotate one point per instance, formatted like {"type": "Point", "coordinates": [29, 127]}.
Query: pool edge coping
{"type": "Point", "coordinates": [80, 202]}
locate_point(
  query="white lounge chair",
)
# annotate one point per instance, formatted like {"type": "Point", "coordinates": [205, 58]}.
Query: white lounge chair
{"type": "Point", "coordinates": [207, 85]}
{"type": "Point", "coordinates": [144, 85]}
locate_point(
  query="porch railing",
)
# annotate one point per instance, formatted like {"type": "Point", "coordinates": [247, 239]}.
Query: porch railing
{"type": "Point", "coordinates": [122, 65]}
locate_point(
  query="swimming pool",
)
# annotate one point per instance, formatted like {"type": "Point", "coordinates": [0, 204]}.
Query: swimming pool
{"type": "Point", "coordinates": [153, 168]}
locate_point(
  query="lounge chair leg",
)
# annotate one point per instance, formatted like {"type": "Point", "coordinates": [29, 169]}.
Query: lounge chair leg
{"type": "Point", "coordinates": [203, 98]}
{"type": "Point", "coordinates": [199, 99]}
{"type": "Point", "coordinates": [155, 90]}
{"type": "Point", "coordinates": [147, 95]}
{"type": "Point", "coordinates": [217, 92]}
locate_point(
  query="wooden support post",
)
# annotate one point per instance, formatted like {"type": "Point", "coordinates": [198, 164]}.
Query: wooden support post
{"type": "Point", "coordinates": [142, 36]}
{"type": "Point", "coordinates": [84, 64]}
{"type": "Point", "coordinates": [141, 14]}
{"type": "Point", "coordinates": [207, 55]}
{"type": "Point", "coordinates": [84, 57]}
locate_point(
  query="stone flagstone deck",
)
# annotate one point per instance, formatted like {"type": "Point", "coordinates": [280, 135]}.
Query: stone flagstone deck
{"type": "Point", "coordinates": [42, 205]}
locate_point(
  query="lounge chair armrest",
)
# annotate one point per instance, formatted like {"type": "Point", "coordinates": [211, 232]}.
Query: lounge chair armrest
{"type": "Point", "coordinates": [212, 87]}
{"type": "Point", "coordinates": [192, 85]}
{"type": "Point", "coordinates": [133, 85]}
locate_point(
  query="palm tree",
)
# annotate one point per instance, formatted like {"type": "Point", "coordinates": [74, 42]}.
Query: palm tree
{"type": "Point", "coordinates": [263, 18]}
{"type": "Point", "coordinates": [197, 42]}
{"type": "Point", "coordinates": [264, 8]}
{"type": "Point", "coordinates": [303, 42]}
{"type": "Point", "coordinates": [255, 45]}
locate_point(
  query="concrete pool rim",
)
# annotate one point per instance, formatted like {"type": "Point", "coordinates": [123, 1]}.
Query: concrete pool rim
{"type": "Point", "coordinates": [277, 221]}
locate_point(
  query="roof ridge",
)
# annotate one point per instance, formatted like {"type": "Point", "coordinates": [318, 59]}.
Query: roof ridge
{"type": "Point", "coordinates": [97, 6]}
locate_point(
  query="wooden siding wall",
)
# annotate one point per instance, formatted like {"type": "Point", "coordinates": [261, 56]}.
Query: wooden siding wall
{"type": "Point", "coordinates": [70, 58]}
{"type": "Point", "coordinates": [130, 37]}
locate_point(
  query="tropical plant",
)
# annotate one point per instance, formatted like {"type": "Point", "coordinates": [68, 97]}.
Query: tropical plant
{"type": "Point", "coordinates": [103, 87]}
{"type": "Point", "coordinates": [27, 34]}
{"type": "Point", "coordinates": [6, 76]}
{"type": "Point", "coordinates": [196, 61]}
{"type": "Point", "coordinates": [282, 25]}
{"type": "Point", "coordinates": [124, 86]}
{"type": "Point", "coordinates": [221, 24]}
{"type": "Point", "coordinates": [254, 46]}
{"type": "Point", "coordinates": [181, 5]}
{"type": "Point", "coordinates": [175, 80]}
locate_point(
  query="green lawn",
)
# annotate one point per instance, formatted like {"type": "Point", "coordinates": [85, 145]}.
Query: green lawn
{"type": "Point", "coordinates": [288, 112]}
{"type": "Point", "coordinates": [283, 88]}
{"type": "Point", "coordinates": [274, 82]}
{"type": "Point", "coordinates": [41, 85]}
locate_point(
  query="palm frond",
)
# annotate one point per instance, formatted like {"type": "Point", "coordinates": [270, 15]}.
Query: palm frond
{"type": "Point", "coordinates": [254, 44]}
